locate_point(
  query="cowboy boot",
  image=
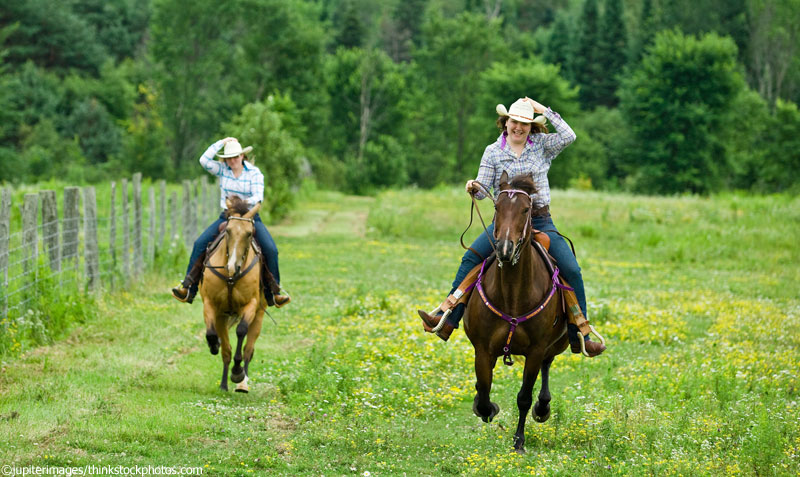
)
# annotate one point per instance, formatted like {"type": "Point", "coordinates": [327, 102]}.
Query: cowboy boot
{"type": "Point", "coordinates": [187, 289]}
{"type": "Point", "coordinates": [430, 322]}
{"type": "Point", "coordinates": [593, 348]}
{"type": "Point", "coordinates": [272, 290]}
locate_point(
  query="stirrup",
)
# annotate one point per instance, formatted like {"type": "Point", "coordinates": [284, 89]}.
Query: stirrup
{"type": "Point", "coordinates": [583, 341]}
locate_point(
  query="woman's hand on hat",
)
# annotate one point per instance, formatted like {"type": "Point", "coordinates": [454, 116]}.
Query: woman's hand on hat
{"type": "Point", "coordinates": [229, 139]}
{"type": "Point", "coordinates": [537, 107]}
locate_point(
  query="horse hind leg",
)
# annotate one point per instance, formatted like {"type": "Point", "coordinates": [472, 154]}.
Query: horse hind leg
{"type": "Point", "coordinates": [524, 401]}
{"type": "Point", "coordinates": [238, 373]}
{"type": "Point", "coordinates": [541, 410]}
{"type": "Point", "coordinates": [482, 406]}
{"type": "Point", "coordinates": [225, 345]}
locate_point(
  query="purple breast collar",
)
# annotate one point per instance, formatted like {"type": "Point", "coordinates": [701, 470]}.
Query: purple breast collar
{"type": "Point", "coordinates": [516, 320]}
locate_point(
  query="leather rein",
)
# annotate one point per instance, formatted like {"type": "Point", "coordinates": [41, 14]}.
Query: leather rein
{"type": "Point", "coordinates": [230, 280]}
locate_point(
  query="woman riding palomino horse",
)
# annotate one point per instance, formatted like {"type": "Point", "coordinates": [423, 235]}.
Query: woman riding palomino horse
{"type": "Point", "coordinates": [523, 148]}
{"type": "Point", "coordinates": [232, 294]}
{"type": "Point", "coordinates": [237, 177]}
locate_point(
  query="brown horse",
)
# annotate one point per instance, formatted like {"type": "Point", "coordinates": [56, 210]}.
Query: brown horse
{"type": "Point", "coordinates": [232, 293]}
{"type": "Point", "coordinates": [519, 286]}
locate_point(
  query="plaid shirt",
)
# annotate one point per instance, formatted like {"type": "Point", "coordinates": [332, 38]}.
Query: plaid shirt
{"type": "Point", "coordinates": [249, 185]}
{"type": "Point", "coordinates": [535, 159]}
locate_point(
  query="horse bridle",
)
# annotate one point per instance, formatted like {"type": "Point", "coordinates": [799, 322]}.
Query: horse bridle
{"type": "Point", "coordinates": [518, 245]}
{"type": "Point", "coordinates": [231, 280]}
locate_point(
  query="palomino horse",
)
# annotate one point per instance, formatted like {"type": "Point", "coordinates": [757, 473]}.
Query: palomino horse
{"type": "Point", "coordinates": [518, 288]}
{"type": "Point", "coordinates": [232, 293]}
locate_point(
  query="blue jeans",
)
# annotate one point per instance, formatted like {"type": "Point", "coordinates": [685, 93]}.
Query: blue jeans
{"type": "Point", "coordinates": [559, 249]}
{"type": "Point", "coordinates": [263, 237]}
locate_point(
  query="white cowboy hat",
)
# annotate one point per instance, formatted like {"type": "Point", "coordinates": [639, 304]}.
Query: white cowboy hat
{"type": "Point", "coordinates": [233, 149]}
{"type": "Point", "coordinates": [522, 111]}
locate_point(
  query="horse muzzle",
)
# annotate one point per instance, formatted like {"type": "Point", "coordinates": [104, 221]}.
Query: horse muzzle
{"type": "Point", "coordinates": [505, 250]}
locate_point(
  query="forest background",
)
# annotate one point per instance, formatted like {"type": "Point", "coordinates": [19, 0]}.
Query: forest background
{"type": "Point", "coordinates": [666, 97]}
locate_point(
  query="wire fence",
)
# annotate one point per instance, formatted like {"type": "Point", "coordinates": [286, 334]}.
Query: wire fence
{"type": "Point", "coordinates": [96, 242]}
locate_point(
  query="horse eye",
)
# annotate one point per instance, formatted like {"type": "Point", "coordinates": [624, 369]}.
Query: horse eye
{"type": "Point", "coordinates": [526, 210]}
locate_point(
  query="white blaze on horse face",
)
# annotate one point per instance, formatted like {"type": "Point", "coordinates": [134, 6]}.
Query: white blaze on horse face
{"type": "Point", "coordinates": [232, 260]}
{"type": "Point", "coordinates": [506, 243]}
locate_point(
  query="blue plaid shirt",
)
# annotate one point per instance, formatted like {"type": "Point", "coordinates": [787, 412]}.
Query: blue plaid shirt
{"type": "Point", "coordinates": [536, 157]}
{"type": "Point", "coordinates": [249, 185]}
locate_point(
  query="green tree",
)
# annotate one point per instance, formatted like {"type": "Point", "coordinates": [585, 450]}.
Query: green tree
{"type": "Point", "coordinates": [282, 51]}
{"type": "Point", "coordinates": [351, 31]}
{"type": "Point", "coordinates": [676, 104]}
{"type": "Point", "coordinates": [611, 53]}
{"type": "Point", "coordinates": [192, 52]}
{"type": "Point", "coordinates": [561, 45]}
{"type": "Point", "coordinates": [585, 64]}
{"type": "Point", "coordinates": [366, 117]}
{"type": "Point", "coordinates": [453, 53]}
{"type": "Point", "coordinates": [51, 35]}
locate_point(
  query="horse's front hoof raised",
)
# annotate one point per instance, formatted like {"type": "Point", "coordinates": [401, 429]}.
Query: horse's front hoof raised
{"type": "Point", "coordinates": [484, 417]}
{"type": "Point", "coordinates": [213, 343]}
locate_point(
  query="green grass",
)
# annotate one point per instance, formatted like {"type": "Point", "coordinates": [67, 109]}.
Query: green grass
{"type": "Point", "coordinates": [697, 297]}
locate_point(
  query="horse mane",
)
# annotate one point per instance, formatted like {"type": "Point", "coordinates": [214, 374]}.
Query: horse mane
{"type": "Point", "coordinates": [238, 206]}
{"type": "Point", "coordinates": [524, 182]}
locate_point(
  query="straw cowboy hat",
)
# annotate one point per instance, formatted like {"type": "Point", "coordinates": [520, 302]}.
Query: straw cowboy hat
{"type": "Point", "coordinates": [522, 111]}
{"type": "Point", "coordinates": [233, 149]}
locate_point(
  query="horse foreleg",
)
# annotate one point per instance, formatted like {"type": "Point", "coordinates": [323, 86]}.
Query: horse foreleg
{"type": "Point", "coordinates": [225, 344]}
{"type": "Point", "coordinates": [524, 400]}
{"type": "Point", "coordinates": [482, 406]}
{"type": "Point", "coordinates": [237, 373]}
{"type": "Point", "coordinates": [541, 410]}
{"type": "Point", "coordinates": [253, 331]}
{"type": "Point", "coordinates": [209, 316]}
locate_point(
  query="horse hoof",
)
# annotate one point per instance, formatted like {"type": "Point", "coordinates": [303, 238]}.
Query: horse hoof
{"type": "Point", "coordinates": [223, 388]}
{"type": "Point", "coordinates": [237, 378]}
{"type": "Point", "coordinates": [213, 343]}
{"type": "Point", "coordinates": [495, 410]}
{"type": "Point", "coordinates": [537, 413]}
{"type": "Point", "coordinates": [242, 387]}
{"type": "Point", "coordinates": [519, 450]}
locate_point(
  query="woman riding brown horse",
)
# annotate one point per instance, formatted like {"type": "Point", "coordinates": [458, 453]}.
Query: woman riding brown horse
{"type": "Point", "coordinates": [232, 293]}
{"type": "Point", "coordinates": [519, 288]}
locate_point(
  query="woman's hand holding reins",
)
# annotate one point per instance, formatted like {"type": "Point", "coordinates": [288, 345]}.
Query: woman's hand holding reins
{"type": "Point", "coordinates": [472, 187]}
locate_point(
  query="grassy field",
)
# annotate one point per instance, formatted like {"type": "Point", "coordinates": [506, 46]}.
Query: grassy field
{"type": "Point", "coordinates": [698, 299]}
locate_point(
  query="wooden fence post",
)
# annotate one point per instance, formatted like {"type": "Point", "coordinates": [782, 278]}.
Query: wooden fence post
{"type": "Point", "coordinates": [69, 232]}
{"type": "Point", "coordinates": [30, 236]}
{"type": "Point", "coordinates": [187, 218]}
{"type": "Point", "coordinates": [173, 206]}
{"type": "Point", "coordinates": [151, 243]}
{"type": "Point", "coordinates": [5, 236]}
{"type": "Point", "coordinates": [50, 228]}
{"type": "Point", "coordinates": [90, 251]}
{"type": "Point", "coordinates": [162, 216]}
{"type": "Point", "coordinates": [126, 241]}
{"type": "Point", "coordinates": [138, 257]}
{"type": "Point", "coordinates": [112, 233]}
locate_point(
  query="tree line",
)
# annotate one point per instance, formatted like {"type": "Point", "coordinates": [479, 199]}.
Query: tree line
{"type": "Point", "coordinates": [666, 97]}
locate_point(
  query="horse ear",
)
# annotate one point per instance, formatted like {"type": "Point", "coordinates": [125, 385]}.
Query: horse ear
{"type": "Point", "coordinates": [228, 203]}
{"type": "Point", "coordinates": [504, 180]}
{"type": "Point", "coordinates": [252, 212]}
